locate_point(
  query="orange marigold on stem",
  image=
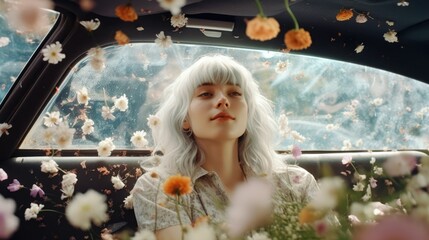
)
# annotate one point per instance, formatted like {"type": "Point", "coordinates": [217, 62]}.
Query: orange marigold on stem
{"type": "Point", "coordinates": [344, 15]}
{"type": "Point", "coordinates": [262, 28]}
{"type": "Point", "coordinates": [121, 38]}
{"type": "Point", "coordinates": [126, 13]}
{"type": "Point", "coordinates": [297, 39]}
{"type": "Point", "coordinates": [309, 215]}
{"type": "Point", "coordinates": [177, 185]}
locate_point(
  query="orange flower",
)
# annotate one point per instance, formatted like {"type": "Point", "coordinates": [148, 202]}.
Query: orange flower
{"type": "Point", "coordinates": [262, 28]}
{"type": "Point", "coordinates": [121, 38]}
{"type": "Point", "coordinates": [126, 13]}
{"type": "Point", "coordinates": [177, 185]}
{"type": "Point", "coordinates": [344, 15]}
{"type": "Point", "coordinates": [309, 215]}
{"type": "Point", "coordinates": [297, 39]}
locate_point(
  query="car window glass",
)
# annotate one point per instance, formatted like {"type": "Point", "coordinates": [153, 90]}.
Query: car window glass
{"type": "Point", "coordinates": [320, 104]}
{"type": "Point", "coordinates": [17, 46]}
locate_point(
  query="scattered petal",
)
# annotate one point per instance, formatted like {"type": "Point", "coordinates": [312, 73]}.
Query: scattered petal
{"type": "Point", "coordinates": [361, 18]}
{"type": "Point", "coordinates": [178, 20]}
{"type": "Point", "coordinates": [3, 175]}
{"type": "Point", "coordinates": [390, 36]}
{"type": "Point", "coordinates": [121, 38]}
{"type": "Point", "coordinates": [91, 25]}
{"type": "Point", "coordinates": [359, 48]}
{"type": "Point", "coordinates": [344, 15]}
{"type": "Point", "coordinates": [126, 13]}
{"type": "Point", "coordinates": [162, 40]}
{"type": "Point", "coordinates": [4, 127]}
{"type": "Point", "coordinates": [4, 41]}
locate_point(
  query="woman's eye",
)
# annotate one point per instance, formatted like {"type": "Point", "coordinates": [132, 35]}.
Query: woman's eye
{"type": "Point", "coordinates": [236, 93]}
{"type": "Point", "coordinates": [204, 94]}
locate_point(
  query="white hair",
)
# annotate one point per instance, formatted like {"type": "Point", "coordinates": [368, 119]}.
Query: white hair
{"type": "Point", "coordinates": [180, 152]}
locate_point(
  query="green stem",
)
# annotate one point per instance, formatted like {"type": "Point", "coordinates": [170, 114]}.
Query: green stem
{"type": "Point", "coordinates": [50, 210]}
{"type": "Point", "coordinates": [261, 11]}
{"type": "Point", "coordinates": [178, 216]}
{"type": "Point", "coordinates": [291, 15]}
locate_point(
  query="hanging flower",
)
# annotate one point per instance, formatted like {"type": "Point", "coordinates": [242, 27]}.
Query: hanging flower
{"type": "Point", "coordinates": [128, 202]}
{"type": "Point", "coordinates": [344, 15]}
{"type": "Point", "coordinates": [297, 39]}
{"type": "Point", "coordinates": [14, 186]}
{"type": "Point", "coordinates": [361, 18]}
{"type": "Point", "coordinates": [107, 113]}
{"type": "Point", "coordinates": [359, 48]}
{"type": "Point", "coordinates": [33, 211]}
{"type": "Point", "coordinates": [36, 190]}
{"type": "Point", "coordinates": [390, 36]}
{"type": "Point", "coordinates": [121, 38]}
{"type": "Point", "coordinates": [49, 166]}
{"type": "Point", "coordinates": [67, 185]}
{"type": "Point", "coordinates": [153, 121]}
{"type": "Point", "coordinates": [91, 25]}
{"type": "Point", "coordinates": [177, 185]}
{"type": "Point", "coordinates": [4, 41]}
{"type": "Point", "coordinates": [105, 147]}
{"type": "Point", "coordinates": [121, 103]}
{"type": "Point", "coordinates": [9, 222]}
{"type": "Point", "coordinates": [82, 96]}
{"type": "Point", "coordinates": [52, 53]}
{"type": "Point", "coordinates": [162, 40]}
{"type": "Point", "coordinates": [117, 182]}
{"type": "Point", "coordinates": [86, 208]}
{"type": "Point", "coordinates": [126, 13]}
{"type": "Point", "coordinates": [178, 20]}
{"type": "Point", "coordinates": [262, 28]}
{"type": "Point", "coordinates": [52, 119]}
{"type": "Point", "coordinates": [97, 58]}
{"type": "Point", "coordinates": [138, 139]}
{"type": "Point", "coordinates": [3, 175]}
{"type": "Point", "coordinates": [64, 136]}
{"type": "Point", "coordinates": [4, 127]}
{"type": "Point", "coordinates": [174, 6]}
{"type": "Point", "coordinates": [88, 127]}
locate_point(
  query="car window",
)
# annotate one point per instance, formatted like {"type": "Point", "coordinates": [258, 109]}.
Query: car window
{"type": "Point", "coordinates": [320, 104]}
{"type": "Point", "coordinates": [17, 46]}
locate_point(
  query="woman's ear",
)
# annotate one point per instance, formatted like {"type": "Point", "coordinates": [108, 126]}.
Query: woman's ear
{"type": "Point", "coordinates": [186, 125]}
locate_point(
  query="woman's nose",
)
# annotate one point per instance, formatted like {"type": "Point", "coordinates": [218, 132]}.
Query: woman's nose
{"type": "Point", "coordinates": [222, 101]}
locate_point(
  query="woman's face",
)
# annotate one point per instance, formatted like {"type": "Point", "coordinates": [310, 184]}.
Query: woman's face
{"type": "Point", "coordinates": [217, 112]}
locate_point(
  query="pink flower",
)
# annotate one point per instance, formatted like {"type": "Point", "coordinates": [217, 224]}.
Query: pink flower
{"type": "Point", "coordinates": [347, 160]}
{"type": "Point", "coordinates": [394, 227]}
{"type": "Point", "coordinates": [36, 190]}
{"type": "Point", "coordinates": [296, 151]}
{"type": "Point", "coordinates": [3, 175]}
{"type": "Point", "coordinates": [15, 186]}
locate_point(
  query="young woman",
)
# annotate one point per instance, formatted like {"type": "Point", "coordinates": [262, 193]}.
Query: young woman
{"type": "Point", "coordinates": [216, 127]}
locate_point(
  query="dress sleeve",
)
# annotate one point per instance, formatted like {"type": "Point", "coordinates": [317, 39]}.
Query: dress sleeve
{"type": "Point", "coordinates": [152, 208]}
{"type": "Point", "coordinates": [300, 181]}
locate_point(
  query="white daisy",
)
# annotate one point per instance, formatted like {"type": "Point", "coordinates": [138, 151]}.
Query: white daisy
{"type": "Point", "coordinates": [105, 147]}
{"type": "Point", "coordinates": [52, 53]}
{"type": "Point", "coordinates": [88, 127]}
{"type": "Point", "coordinates": [86, 208]}
{"type": "Point", "coordinates": [64, 136]}
{"type": "Point", "coordinates": [138, 139]}
{"type": "Point", "coordinates": [178, 20]}
{"type": "Point", "coordinates": [52, 119]}
{"type": "Point", "coordinates": [162, 40]}
{"type": "Point", "coordinates": [91, 25]}
{"type": "Point", "coordinates": [4, 41]}
{"type": "Point", "coordinates": [4, 127]}
{"type": "Point", "coordinates": [174, 6]}
{"type": "Point", "coordinates": [390, 36]}
{"type": "Point", "coordinates": [107, 113]}
{"type": "Point", "coordinates": [82, 96]}
{"type": "Point", "coordinates": [117, 182]}
{"type": "Point", "coordinates": [121, 103]}
{"type": "Point", "coordinates": [33, 211]}
{"type": "Point", "coordinates": [359, 48]}
{"type": "Point", "coordinates": [153, 121]}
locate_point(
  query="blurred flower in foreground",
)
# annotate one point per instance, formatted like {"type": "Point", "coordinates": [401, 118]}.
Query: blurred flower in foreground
{"type": "Point", "coordinates": [3, 175]}
{"type": "Point", "coordinates": [8, 221]}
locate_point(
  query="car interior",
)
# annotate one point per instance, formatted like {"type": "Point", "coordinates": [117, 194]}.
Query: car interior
{"type": "Point", "coordinates": [359, 90]}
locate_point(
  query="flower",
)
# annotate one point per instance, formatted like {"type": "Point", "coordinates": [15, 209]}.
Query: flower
{"type": "Point", "coordinates": [138, 139]}
{"type": "Point", "coordinates": [14, 186]}
{"type": "Point", "coordinates": [174, 6]}
{"type": "Point", "coordinates": [36, 190]}
{"type": "Point", "coordinates": [297, 39]}
{"type": "Point", "coordinates": [9, 222]}
{"type": "Point", "coordinates": [82, 96]}
{"type": "Point", "coordinates": [403, 3]}
{"type": "Point", "coordinates": [121, 38]}
{"type": "Point", "coordinates": [153, 121]}
{"type": "Point", "coordinates": [97, 58]}
{"type": "Point", "coordinates": [107, 113]}
{"type": "Point", "coordinates": [162, 40]}
{"type": "Point", "coordinates": [49, 166]}
{"type": "Point", "coordinates": [121, 103]}
{"type": "Point", "coordinates": [296, 151]}
{"type": "Point", "coordinates": [399, 165]}
{"type": "Point", "coordinates": [390, 36]}
{"type": "Point", "coordinates": [361, 18]}
{"type": "Point", "coordinates": [105, 147]}
{"type": "Point", "coordinates": [344, 15]}
{"type": "Point", "coordinates": [86, 208]}
{"type": "Point", "coordinates": [128, 202]}
{"type": "Point", "coordinates": [3, 175]}
{"type": "Point", "coordinates": [4, 127]}
{"type": "Point", "coordinates": [178, 20]}
{"type": "Point", "coordinates": [262, 28]}
{"type": "Point", "coordinates": [52, 53]}
{"type": "Point", "coordinates": [347, 160]}
{"type": "Point", "coordinates": [144, 234]}
{"type": "Point", "coordinates": [126, 13]}
{"type": "Point", "coordinates": [91, 25]}
{"type": "Point", "coordinates": [117, 182]}
{"type": "Point", "coordinates": [33, 211]}
{"type": "Point", "coordinates": [177, 185]}
{"type": "Point", "coordinates": [248, 210]}
{"type": "Point", "coordinates": [4, 41]}
{"type": "Point", "coordinates": [281, 66]}
{"type": "Point", "coordinates": [67, 185]}
{"type": "Point", "coordinates": [64, 136]}
{"type": "Point", "coordinates": [88, 127]}
{"type": "Point", "coordinates": [359, 48]}
{"type": "Point", "coordinates": [259, 236]}
{"type": "Point", "coordinates": [52, 119]}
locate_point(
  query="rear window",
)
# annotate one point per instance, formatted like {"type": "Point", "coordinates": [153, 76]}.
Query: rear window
{"type": "Point", "coordinates": [320, 104]}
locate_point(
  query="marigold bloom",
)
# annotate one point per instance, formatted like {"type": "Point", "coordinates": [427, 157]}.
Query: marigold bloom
{"type": "Point", "coordinates": [309, 215]}
{"type": "Point", "coordinates": [262, 28]}
{"type": "Point", "coordinates": [126, 13]}
{"type": "Point", "coordinates": [178, 185]}
{"type": "Point", "coordinates": [344, 15]}
{"type": "Point", "coordinates": [297, 39]}
{"type": "Point", "coordinates": [121, 38]}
